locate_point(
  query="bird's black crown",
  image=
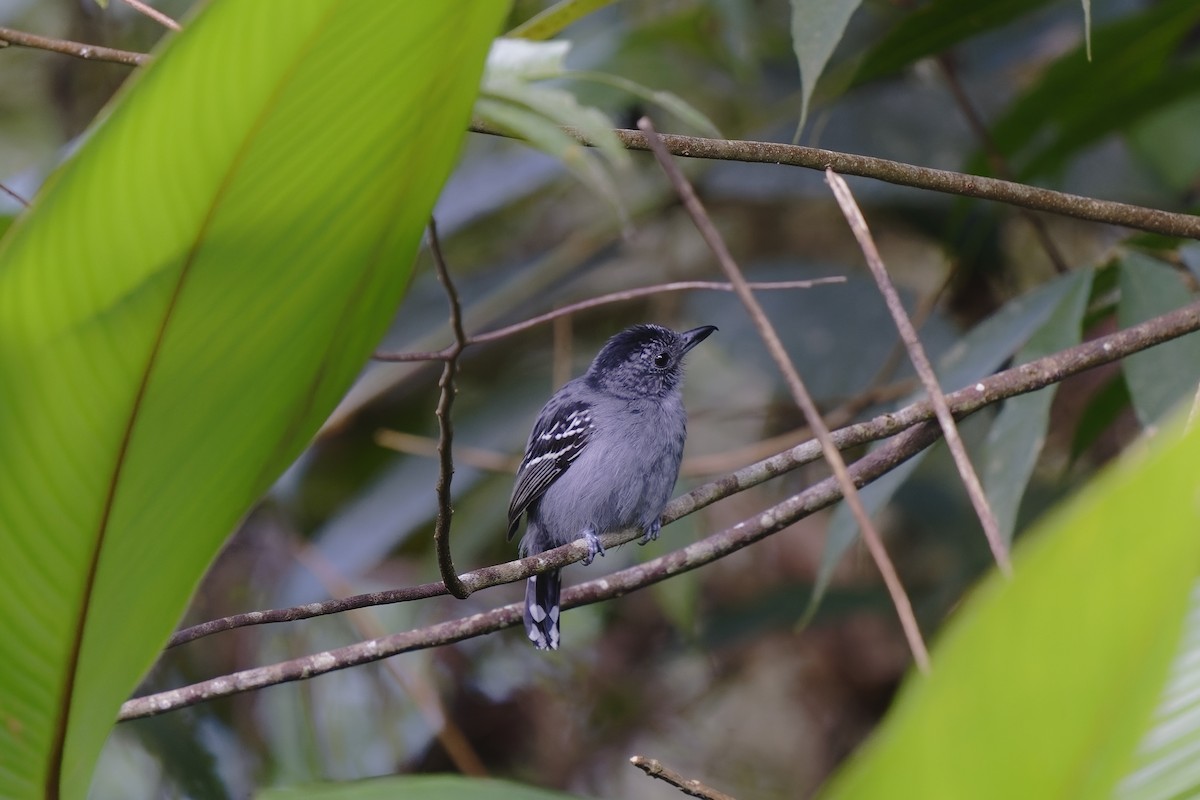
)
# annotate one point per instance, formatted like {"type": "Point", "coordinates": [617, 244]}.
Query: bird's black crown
{"type": "Point", "coordinates": [644, 361]}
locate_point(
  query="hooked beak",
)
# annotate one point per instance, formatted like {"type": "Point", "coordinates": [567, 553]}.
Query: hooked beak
{"type": "Point", "coordinates": [695, 336]}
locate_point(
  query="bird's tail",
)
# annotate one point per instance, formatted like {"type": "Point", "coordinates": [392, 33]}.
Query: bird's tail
{"type": "Point", "coordinates": [541, 610]}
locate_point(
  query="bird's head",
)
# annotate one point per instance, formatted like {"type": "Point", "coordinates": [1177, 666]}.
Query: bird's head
{"type": "Point", "coordinates": [644, 361]}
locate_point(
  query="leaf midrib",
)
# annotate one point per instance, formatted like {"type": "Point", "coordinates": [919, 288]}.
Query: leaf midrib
{"type": "Point", "coordinates": [59, 735]}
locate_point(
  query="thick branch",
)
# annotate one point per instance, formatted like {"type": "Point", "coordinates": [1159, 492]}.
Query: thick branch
{"type": "Point", "coordinates": [617, 584]}
{"type": "Point", "coordinates": [901, 174]}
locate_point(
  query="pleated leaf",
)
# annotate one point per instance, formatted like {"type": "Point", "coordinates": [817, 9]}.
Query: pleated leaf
{"type": "Point", "coordinates": [182, 306]}
{"type": "Point", "coordinates": [1044, 685]}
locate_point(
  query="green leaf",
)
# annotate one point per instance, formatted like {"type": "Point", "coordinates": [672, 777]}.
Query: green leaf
{"type": "Point", "coordinates": [1167, 765]}
{"type": "Point", "coordinates": [935, 27]}
{"type": "Point", "coordinates": [1016, 437]}
{"type": "Point", "coordinates": [669, 101]}
{"type": "Point", "coordinates": [817, 27]}
{"type": "Point", "coordinates": [433, 787]}
{"type": "Point", "coordinates": [1163, 376]}
{"type": "Point", "coordinates": [182, 306]}
{"type": "Point", "coordinates": [1043, 685]}
{"type": "Point", "coordinates": [1076, 103]}
{"type": "Point", "coordinates": [979, 353]}
{"type": "Point", "coordinates": [551, 22]}
{"type": "Point", "coordinates": [1102, 410]}
{"type": "Point", "coordinates": [1087, 27]}
{"type": "Point", "coordinates": [1167, 143]}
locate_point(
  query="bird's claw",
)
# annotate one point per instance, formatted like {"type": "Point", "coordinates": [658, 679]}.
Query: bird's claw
{"type": "Point", "coordinates": [594, 546]}
{"type": "Point", "coordinates": [651, 532]}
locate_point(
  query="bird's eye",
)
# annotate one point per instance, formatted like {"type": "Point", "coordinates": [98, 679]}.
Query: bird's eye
{"type": "Point", "coordinates": [662, 359]}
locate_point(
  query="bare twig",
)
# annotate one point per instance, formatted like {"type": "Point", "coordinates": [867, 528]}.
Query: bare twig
{"type": "Point", "coordinates": [477, 457]}
{"type": "Point", "coordinates": [604, 299]}
{"type": "Point", "coordinates": [14, 195]}
{"type": "Point", "coordinates": [424, 695]}
{"type": "Point", "coordinates": [89, 52]}
{"type": "Point", "coordinates": [689, 786]}
{"type": "Point", "coordinates": [1018, 380]}
{"type": "Point", "coordinates": [812, 414]}
{"type": "Point", "coordinates": [901, 174]}
{"type": "Point", "coordinates": [996, 158]}
{"type": "Point", "coordinates": [916, 354]}
{"type": "Point", "coordinates": [154, 14]}
{"type": "Point", "coordinates": [441, 527]}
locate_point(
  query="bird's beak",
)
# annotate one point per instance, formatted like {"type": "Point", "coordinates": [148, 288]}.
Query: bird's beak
{"type": "Point", "coordinates": [695, 336]}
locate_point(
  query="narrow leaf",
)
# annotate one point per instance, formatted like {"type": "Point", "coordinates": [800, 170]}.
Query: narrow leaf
{"type": "Point", "coordinates": [1016, 437]}
{"type": "Point", "coordinates": [551, 22]}
{"type": "Point", "coordinates": [817, 27]}
{"type": "Point", "coordinates": [1162, 376]}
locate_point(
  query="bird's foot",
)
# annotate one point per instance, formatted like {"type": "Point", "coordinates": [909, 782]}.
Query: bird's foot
{"type": "Point", "coordinates": [594, 546]}
{"type": "Point", "coordinates": [651, 532]}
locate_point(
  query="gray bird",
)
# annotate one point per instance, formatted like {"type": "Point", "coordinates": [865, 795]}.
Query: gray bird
{"type": "Point", "coordinates": [603, 456]}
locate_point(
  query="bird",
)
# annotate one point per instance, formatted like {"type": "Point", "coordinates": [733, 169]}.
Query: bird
{"type": "Point", "coordinates": [603, 456]}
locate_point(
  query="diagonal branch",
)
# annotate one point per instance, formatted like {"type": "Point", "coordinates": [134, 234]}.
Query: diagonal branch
{"type": "Point", "coordinates": [800, 394]}
{"type": "Point", "coordinates": [920, 361]}
{"type": "Point", "coordinates": [1018, 380]}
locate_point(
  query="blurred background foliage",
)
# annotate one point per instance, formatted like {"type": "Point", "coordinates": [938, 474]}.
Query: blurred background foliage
{"type": "Point", "coordinates": [712, 671]}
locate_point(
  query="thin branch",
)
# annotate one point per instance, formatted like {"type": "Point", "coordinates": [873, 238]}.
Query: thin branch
{"type": "Point", "coordinates": [916, 354]}
{"type": "Point", "coordinates": [996, 158]}
{"type": "Point", "coordinates": [422, 692]}
{"type": "Point", "coordinates": [1018, 380]}
{"type": "Point", "coordinates": [154, 14]}
{"type": "Point", "coordinates": [441, 526]}
{"type": "Point", "coordinates": [604, 299]}
{"type": "Point", "coordinates": [14, 195]}
{"type": "Point", "coordinates": [89, 52]}
{"type": "Point", "coordinates": [477, 457]}
{"type": "Point", "coordinates": [689, 786]}
{"type": "Point", "coordinates": [800, 394]}
{"type": "Point", "coordinates": [617, 584]}
{"type": "Point", "coordinates": [901, 174]}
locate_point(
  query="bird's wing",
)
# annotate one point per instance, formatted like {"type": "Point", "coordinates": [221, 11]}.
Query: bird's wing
{"type": "Point", "coordinates": [559, 437]}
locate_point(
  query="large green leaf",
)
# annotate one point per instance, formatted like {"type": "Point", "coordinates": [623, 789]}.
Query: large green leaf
{"type": "Point", "coordinates": [1043, 685]}
{"type": "Point", "coordinates": [185, 302]}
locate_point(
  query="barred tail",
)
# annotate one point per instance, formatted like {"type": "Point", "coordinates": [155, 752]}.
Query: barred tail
{"type": "Point", "coordinates": [541, 610]}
